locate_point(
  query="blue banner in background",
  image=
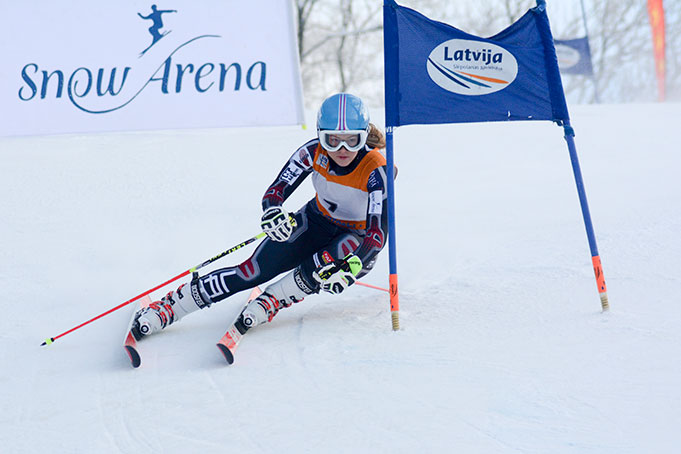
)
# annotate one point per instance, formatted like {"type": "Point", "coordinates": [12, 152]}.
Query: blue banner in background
{"type": "Point", "coordinates": [435, 73]}
{"type": "Point", "coordinates": [574, 56]}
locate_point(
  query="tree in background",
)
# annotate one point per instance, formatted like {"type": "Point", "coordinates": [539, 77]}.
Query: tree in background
{"type": "Point", "coordinates": [673, 21]}
{"type": "Point", "coordinates": [341, 48]}
{"type": "Point", "coordinates": [622, 53]}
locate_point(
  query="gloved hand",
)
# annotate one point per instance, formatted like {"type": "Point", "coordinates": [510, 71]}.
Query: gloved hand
{"type": "Point", "coordinates": [336, 276]}
{"type": "Point", "coordinates": [277, 224]}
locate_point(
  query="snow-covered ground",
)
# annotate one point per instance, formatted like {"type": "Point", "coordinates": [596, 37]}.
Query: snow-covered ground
{"type": "Point", "coordinates": [503, 347]}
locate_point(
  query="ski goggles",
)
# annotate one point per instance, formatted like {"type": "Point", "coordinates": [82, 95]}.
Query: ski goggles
{"type": "Point", "coordinates": [334, 140]}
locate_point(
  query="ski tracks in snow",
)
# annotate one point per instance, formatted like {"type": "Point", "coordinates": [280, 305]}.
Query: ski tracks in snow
{"type": "Point", "coordinates": [122, 404]}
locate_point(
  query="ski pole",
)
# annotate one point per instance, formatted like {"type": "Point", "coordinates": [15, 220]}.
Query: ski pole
{"type": "Point", "coordinates": [185, 273]}
{"type": "Point", "coordinates": [372, 286]}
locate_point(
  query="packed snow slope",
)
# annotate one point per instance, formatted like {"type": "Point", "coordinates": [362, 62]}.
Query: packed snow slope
{"type": "Point", "coordinates": [503, 346]}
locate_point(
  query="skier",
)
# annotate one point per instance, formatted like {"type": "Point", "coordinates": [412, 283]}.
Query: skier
{"type": "Point", "coordinates": [326, 245]}
{"type": "Point", "coordinates": [157, 21]}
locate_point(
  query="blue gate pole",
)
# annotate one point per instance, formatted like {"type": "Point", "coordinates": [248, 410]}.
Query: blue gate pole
{"type": "Point", "coordinates": [392, 242]}
{"type": "Point", "coordinates": [595, 258]}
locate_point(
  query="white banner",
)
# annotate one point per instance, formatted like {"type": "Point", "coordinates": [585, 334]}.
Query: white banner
{"type": "Point", "coordinates": [83, 66]}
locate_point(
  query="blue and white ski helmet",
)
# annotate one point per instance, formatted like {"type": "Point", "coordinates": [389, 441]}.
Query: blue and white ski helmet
{"type": "Point", "coordinates": [341, 112]}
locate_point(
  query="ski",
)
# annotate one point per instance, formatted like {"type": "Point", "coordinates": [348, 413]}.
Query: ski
{"type": "Point", "coordinates": [129, 342]}
{"type": "Point", "coordinates": [230, 341]}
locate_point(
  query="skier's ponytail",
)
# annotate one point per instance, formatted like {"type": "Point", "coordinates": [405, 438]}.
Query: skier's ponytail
{"type": "Point", "coordinates": [375, 139]}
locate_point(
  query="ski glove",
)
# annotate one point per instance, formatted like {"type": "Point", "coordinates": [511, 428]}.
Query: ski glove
{"type": "Point", "coordinates": [336, 276]}
{"type": "Point", "coordinates": [277, 224]}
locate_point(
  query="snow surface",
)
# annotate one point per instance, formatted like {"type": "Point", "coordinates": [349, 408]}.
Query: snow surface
{"type": "Point", "coordinates": [503, 347]}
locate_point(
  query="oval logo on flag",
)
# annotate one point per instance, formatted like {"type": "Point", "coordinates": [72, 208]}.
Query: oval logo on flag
{"type": "Point", "coordinates": [471, 67]}
{"type": "Point", "coordinates": [567, 56]}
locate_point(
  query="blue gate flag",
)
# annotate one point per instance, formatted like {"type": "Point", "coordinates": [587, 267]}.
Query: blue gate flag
{"type": "Point", "coordinates": [574, 56]}
{"type": "Point", "coordinates": [435, 73]}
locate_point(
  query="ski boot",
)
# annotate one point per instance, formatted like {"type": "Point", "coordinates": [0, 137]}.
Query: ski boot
{"type": "Point", "coordinates": [170, 309]}
{"type": "Point", "coordinates": [286, 291]}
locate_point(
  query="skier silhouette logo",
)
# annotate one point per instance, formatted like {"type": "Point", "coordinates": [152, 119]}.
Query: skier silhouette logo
{"type": "Point", "coordinates": [155, 17]}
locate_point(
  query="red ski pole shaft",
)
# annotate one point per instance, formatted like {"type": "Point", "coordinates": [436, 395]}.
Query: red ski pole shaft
{"type": "Point", "coordinates": [52, 339]}
{"type": "Point", "coordinates": [185, 273]}
{"type": "Point", "coordinates": [373, 286]}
